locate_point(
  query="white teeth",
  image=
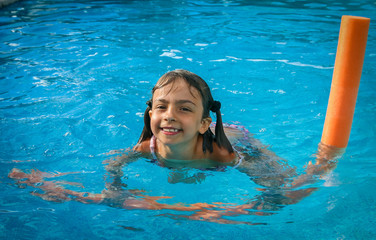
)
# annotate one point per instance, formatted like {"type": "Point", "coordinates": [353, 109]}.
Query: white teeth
{"type": "Point", "coordinates": [170, 130]}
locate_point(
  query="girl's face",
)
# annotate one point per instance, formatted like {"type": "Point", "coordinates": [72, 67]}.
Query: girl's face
{"type": "Point", "coordinates": [176, 116]}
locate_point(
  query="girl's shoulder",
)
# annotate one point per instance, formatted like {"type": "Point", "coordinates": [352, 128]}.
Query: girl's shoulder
{"type": "Point", "coordinates": [143, 147]}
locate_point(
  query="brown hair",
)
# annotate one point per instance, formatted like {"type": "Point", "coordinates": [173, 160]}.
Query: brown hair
{"type": "Point", "coordinates": [208, 103]}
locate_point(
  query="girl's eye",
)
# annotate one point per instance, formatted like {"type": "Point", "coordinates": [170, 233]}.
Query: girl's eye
{"type": "Point", "coordinates": [185, 109]}
{"type": "Point", "coordinates": [160, 107]}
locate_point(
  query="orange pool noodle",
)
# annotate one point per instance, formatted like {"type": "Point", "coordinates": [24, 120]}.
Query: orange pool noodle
{"type": "Point", "coordinates": [345, 82]}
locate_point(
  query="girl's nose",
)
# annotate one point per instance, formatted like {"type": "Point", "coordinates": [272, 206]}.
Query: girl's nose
{"type": "Point", "coordinates": [170, 119]}
{"type": "Point", "coordinates": [169, 115]}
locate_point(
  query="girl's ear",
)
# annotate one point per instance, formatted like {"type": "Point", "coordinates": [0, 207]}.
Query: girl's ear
{"type": "Point", "coordinates": [205, 124]}
{"type": "Point", "coordinates": [150, 112]}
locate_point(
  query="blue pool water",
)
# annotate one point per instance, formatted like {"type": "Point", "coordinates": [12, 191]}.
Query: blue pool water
{"type": "Point", "coordinates": [75, 76]}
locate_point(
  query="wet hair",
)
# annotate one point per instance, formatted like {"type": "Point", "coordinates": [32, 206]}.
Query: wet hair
{"type": "Point", "coordinates": [208, 103]}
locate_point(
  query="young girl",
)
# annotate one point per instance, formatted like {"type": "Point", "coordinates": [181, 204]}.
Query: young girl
{"type": "Point", "coordinates": [177, 132]}
{"type": "Point", "coordinates": [177, 121]}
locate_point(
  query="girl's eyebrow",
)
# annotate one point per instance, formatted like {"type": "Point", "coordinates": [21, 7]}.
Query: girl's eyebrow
{"type": "Point", "coordinates": [183, 101]}
{"type": "Point", "coordinates": [180, 101]}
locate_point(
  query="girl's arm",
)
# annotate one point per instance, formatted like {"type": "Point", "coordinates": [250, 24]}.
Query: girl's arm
{"type": "Point", "coordinates": [114, 169]}
{"type": "Point", "coordinates": [267, 169]}
{"type": "Point", "coordinates": [280, 183]}
{"type": "Point", "coordinates": [120, 159]}
{"type": "Point", "coordinates": [326, 161]}
{"type": "Point", "coordinates": [262, 165]}
{"type": "Point", "coordinates": [52, 190]}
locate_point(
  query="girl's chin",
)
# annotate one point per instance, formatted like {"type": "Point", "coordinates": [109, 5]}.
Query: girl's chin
{"type": "Point", "coordinates": [168, 139]}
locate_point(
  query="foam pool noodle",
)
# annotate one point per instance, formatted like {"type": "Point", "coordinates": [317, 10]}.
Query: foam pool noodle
{"type": "Point", "coordinates": [345, 82]}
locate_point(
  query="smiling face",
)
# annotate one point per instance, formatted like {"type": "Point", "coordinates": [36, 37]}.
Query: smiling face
{"type": "Point", "coordinates": [176, 117]}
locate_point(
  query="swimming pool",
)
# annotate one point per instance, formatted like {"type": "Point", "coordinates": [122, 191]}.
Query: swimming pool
{"type": "Point", "coordinates": [75, 76]}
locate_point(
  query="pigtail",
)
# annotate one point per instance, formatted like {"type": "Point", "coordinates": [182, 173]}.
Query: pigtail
{"type": "Point", "coordinates": [220, 136]}
{"type": "Point", "coordinates": [146, 131]}
{"type": "Point", "coordinates": [208, 138]}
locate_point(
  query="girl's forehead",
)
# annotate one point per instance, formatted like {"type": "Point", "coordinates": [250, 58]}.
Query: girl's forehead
{"type": "Point", "coordinates": [179, 87]}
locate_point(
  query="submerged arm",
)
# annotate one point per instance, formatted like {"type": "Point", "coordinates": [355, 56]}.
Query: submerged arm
{"type": "Point", "coordinates": [326, 161]}
{"type": "Point", "coordinates": [115, 167]}
{"type": "Point", "coordinates": [52, 190]}
{"type": "Point", "coordinates": [119, 160]}
{"type": "Point", "coordinates": [281, 184]}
